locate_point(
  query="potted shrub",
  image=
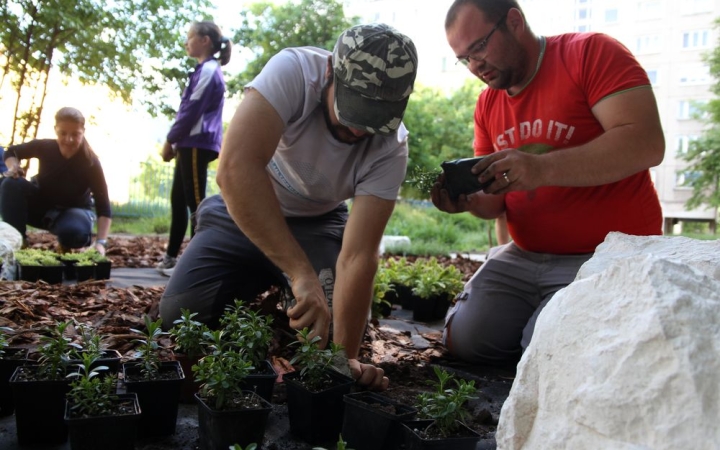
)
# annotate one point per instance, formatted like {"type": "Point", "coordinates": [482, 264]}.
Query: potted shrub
{"type": "Point", "coordinates": [373, 421]}
{"type": "Point", "coordinates": [90, 342]}
{"type": "Point", "coordinates": [69, 260]}
{"type": "Point", "coordinates": [400, 275]}
{"type": "Point", "coordinates": [103, 265]}
{"type": "Point", "coordinates": [188, 335]}
{"type": "Point", "coordinates": [434, 288]}
{"type": "Point", "coordinates": [96, 416]}
{"type": "Point", "coordinates": [10, 359]}
{"type": "Point", "coordinates": [227, 414]}
{"type": "Point", "coordinates": [441, 413]}
{"type": "Point", "coordinates": [39, 391]}
{"type": "Point", "coordinates": [28, 265]}
{"type": "Point", "coordinates": [51, 270]}
{"type": "Point", "coordinates": [315, 392]}
{"type": "Point", "coordinates": [252, 332]}
{"type": "Point", "coordinates": [157, 384]}
{"type": "Point", "coordinates": [85, 270]}
{"type": "Point", "coordinates": [383, 292]}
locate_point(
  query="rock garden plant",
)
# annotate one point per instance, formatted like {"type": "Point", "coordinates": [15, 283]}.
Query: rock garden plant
{"type": "Point", "coordinates": [227, 414]}
{"type": "Point", "coordinates": [39, 390]}
{"type": "Point", "coordinates": [188, 336]}
{"type": "Point", "coordinates": [98, 417]}
{"type": "Point", "coordinates": [442, 413]}
{"type": "Point", "coordinates": [315, 391]}
{"type": "Point", "coordinates": [157, 384]}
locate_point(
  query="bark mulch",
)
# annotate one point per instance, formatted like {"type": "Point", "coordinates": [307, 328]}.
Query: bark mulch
{"type": "Point", "coordinates": [407, 357]}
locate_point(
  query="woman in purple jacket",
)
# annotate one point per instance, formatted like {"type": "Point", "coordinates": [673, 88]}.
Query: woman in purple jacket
{"type": "Point", "coordinates": [195, 138]}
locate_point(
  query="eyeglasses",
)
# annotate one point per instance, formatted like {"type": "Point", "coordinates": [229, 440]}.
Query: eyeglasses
{"type": "Point", "coordinates": [480, 48]}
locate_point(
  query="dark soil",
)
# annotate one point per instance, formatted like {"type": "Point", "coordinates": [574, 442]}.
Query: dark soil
{"type": "Point", "coordinates": [28, 308]}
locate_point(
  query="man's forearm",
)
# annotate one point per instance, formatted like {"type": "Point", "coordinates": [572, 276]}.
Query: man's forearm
{"type": "Point", "coordinates": [352, 299]}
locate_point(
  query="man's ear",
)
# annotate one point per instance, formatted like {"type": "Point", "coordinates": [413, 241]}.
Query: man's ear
{"type": "Point", "coordinates": [515, 20]}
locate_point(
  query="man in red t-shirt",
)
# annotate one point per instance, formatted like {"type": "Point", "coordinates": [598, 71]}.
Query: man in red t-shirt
{"type": "Point", "coordinates": [570, 128]}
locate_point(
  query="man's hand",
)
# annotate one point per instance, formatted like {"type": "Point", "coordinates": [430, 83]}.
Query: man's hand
{"type": "Point", "coordinates": [311, 309]}
{"type": "Point", "coordinates": [442, 201]}
{"type": "Point", "coordinates": [368, 375]}
{"type": "Point", "coordinates": [167, 152]}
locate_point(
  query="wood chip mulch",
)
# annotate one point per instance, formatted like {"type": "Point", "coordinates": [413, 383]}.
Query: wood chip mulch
{"type": "Point", "coordinates": [27, 308]}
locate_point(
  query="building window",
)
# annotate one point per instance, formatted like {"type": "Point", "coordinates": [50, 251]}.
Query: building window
{"type": "Point", "coordinates": [684, 179]}
{"type": "Point", "coordinates": [690, 109]}
{"type": "Point", "coordinates": [582, 28]}
{"type": "Point", "coordinates": [649, 10]}
{"type": "Point", "coordinates": [648, 44]}
{"type": "Point", "coordinates": [582, 14]}
{"type": "Point", "coordinates": [653, 76]}
{"type": "Point", "coordinates": [683, 144]}
{"type": "Point", "coordinates": [696, 39]}
{"type": "Point", "coordinates": [696, 6]}
{"type": "Point", "coordinates": [695, 74]}
{"type": "Point", "coordinates": [611, 15]}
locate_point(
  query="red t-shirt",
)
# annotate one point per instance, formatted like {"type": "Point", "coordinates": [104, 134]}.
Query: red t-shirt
{"type": "Point", "coordinates": [554, 112]}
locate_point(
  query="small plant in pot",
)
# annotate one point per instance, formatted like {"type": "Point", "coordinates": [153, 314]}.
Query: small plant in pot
{"type": "Point", "coordinates": [434, 287]}
{"type": "Point", "coordinates": [157, 383]}
{"type": "Point", "coordinates": [85, 270]}
{"type": "Point", "coordinates": [188, 335]}
{"type": "Point", "coordinates": [227, 414]}
{"type": "Point", "coordinates": [39, 390]}
{"type": "Point", "coordinates": [383, 293]}
{"type": "Point", "coordinates": [442, 413]}
{"type": "Point", "coordinates": [10, 359]}
{"type": "Point", "coordinates": [252, 332]}
{"type": "Point", "coordinates": [96, 416]}
{"type": "Point", "coordinates": [52, 269]}
{"type": "Point", "coordinates": [315, 392]}
{"type": "Point", "coordinates": [28, 264]}
{"type": "Point", "coordinates": [103, 265]}
{"type": "Point", "coordinates": [90, 342]}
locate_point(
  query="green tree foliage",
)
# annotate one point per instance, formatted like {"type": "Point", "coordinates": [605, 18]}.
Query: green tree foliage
{"type": "Point", "coordinates": [267, 28]}
{"type": "Point", "coordinates": [703, 155]}
{"type": "Point", "coordinates": [129, 46]}
{"type": "Point", "coordinates": [441, 126]}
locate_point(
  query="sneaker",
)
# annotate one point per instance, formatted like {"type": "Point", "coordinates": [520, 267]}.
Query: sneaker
{"type": "Point", "coordinates": [167, 265]}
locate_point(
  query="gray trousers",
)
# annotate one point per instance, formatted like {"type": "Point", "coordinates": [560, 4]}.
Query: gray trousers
{"type": "Point", "coordinates": [220, 264]}
{"type": "Point", "coordinates": [493, 320]}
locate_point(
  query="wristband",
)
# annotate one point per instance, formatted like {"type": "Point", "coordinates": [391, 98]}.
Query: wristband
{"type": "Point", "coordinates": [102, 242]}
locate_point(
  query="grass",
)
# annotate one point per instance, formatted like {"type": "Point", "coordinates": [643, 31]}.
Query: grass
{"type": "Point", "coordinates": [431, 232]}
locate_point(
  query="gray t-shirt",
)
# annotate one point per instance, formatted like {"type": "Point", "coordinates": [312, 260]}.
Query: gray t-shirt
{"type": "Point", "coordinates": [312, 172]}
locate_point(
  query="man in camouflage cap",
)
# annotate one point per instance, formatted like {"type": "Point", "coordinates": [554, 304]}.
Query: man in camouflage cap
{"type": "Point", "coordinates": [313, 130]}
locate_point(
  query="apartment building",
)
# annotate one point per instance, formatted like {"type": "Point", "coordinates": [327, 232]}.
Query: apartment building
{"type": "Point", "coordinates": [669, 39]}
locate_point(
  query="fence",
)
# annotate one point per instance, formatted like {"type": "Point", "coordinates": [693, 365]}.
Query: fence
{"type": "Point", "coordinates": [149, 192]}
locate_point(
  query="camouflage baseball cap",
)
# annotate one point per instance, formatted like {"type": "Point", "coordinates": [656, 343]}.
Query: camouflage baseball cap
{"type": "Point", "coordinates": [375, 68]}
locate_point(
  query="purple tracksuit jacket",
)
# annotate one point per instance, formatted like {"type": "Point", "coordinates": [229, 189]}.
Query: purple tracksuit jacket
{"type": "Point", "coordinates": [198, 123]}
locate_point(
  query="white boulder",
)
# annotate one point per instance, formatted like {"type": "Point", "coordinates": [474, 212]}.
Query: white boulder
{"type": "Point", "coordinates": [625, 357]}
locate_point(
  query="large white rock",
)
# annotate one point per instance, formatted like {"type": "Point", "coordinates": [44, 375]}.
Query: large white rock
{"type": "Point", "coordinates": [625, 357]}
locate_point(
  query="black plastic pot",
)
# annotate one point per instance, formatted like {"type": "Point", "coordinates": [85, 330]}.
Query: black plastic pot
{"type": "Point", "coordinates": [28, 273]}
{"type": "Point", "coordinates": [84, 273]}
{"type": "Point", "coordinates": [102, 270]}
{"type": "Point", "coordinates": [115, 432]}
{"type": "Point", "coordinates": [374, 422]}
{"type": "Point", "coordinates": [159, 398]}
{"type": "Point", "coordinates": [403, 296]}
{"type": "Point", "coordinates": [14, 357]}
{"type": "Point", "coordinates": [39, 408]}
{"type": "Point", "coordinates": [69, 266]}
{"type": "Point", "coordinates": [219, 430]}
{"type": "Point", "coordinates": [52, 274]}
{"type": "Point", "coordinates": [317, 417]}
{"type": "Point", "coordinates": [430, 309]}
{"type": "Point", "coordinates": [189, 386]}
{"type": "Point", "coordinates": [261, 381]}
{"type": "Point", "coordinates": [466, 439]}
